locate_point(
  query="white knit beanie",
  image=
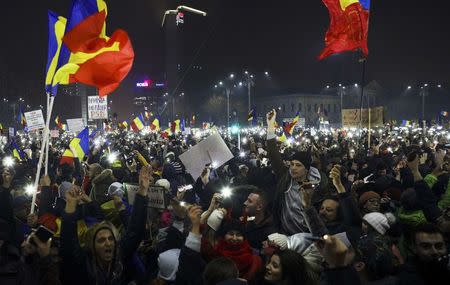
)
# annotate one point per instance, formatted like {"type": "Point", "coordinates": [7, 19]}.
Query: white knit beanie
{"type": "Point", "coordinates": [116, 189]}
{"type": "Point", "coordinates": [378, 221]}
{"type": "Point", "coordinates": [215, 219]}
{"type": "Point", "coordinates": [164, 183]}
{"type": "Point", "coordinates": [279, 239]}
{"type": "Point", "coordinates": [168, 264]}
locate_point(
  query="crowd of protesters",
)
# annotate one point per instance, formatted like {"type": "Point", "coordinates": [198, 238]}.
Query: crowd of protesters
{"type": "Point", "coordinates": [322, 208]}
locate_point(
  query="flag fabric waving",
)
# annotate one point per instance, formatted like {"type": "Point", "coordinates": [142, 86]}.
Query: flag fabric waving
{"type": "Point", "coordinates": [58, 122]}
{"type": "Point", "coordinates": [56, 27]}
{"type": "Point", "coordinates": [155, 125]}
{"type": "Point", "coordinates": [88, 55]}
{"type": "Point", "coordinates": [81, 144]}
{"type": "Point", "coordinates": [17, 152]}
{"type": "Point", "coordinates": [349, 27]}
{"type": "Point", "coordinates": [288, 128]}
{"type": "Point", "coordinates": [137, 124]}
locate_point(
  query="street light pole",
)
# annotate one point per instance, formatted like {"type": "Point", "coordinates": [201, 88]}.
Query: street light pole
{"type": "Point", "coordinates": [228, 91]}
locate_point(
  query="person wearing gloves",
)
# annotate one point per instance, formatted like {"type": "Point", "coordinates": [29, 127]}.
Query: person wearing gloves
{"type": "Point", "coordinates": [288, 210]}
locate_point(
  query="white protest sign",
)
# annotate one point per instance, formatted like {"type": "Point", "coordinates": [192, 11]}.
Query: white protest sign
{"type": "Point", "coordinates": [11, 132]}
{"type": "Point", "coordinates": [210, 150]}
{"type": "Point", "coordinates": [97, 107]}
{"type": "Point", "coordinates": [75, 125]}
{"type": "Point", "coordinates": [54, 133]}
{"type": "Point", "coordinates": [35, 120]}
{"type": "Point", "coordinates": [131, 190]}
{"type": "Point", "coordinates": [155, 195]}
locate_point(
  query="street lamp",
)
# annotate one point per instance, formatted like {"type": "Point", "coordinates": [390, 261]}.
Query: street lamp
{"type": "Point", "coordinates": [232, 75]}
{"type": "Point", "coordinates": [182, 8]}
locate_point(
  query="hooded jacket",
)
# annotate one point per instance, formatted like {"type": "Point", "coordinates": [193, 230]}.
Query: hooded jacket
{"type": "Point", "coordinates": [79, 266]}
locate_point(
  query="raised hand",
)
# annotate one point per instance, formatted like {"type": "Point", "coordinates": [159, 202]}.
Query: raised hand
{"type": "Point", "coordinates": [145, 179]}
{"type": "Point", "coordinates": [271, 118]}
{"type": "Point", "coordinates": [73, 198]}
{"type": "Point", "coordinates": [43, 248]}
{"type": "Point", "coordinates": [335, 175]}
{"type": "Point", "coordinates": [195, 213]}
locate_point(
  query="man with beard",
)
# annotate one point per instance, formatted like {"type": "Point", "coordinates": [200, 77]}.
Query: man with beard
{"type": "Point", "coordinates": [429, 264]}
{"type": "Point", "coordinates": [259, 222]}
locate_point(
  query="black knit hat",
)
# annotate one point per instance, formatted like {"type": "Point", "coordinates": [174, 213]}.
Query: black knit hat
{"type": "Point", "coordinates": [303, 157]}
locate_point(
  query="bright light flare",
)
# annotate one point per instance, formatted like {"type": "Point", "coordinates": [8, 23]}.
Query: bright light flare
{"type": "Point", "coordinates": [29, 190]}
{"type": "Point", "coordinates": [8, 161]}
{"type": "Point", "coordinates": [112, 157]}
{"type": "Point", "coordinates": [226, 192]}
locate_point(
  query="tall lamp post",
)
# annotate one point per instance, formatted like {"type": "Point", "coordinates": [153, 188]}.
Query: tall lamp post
{"type": "Point", "coordinates": [175, 12]}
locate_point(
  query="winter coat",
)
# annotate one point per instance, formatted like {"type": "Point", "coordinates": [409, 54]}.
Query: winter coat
{"type": "Point", "coordinates": [257, 233]}
{"type": "Point", "coordinates": [78, 267]}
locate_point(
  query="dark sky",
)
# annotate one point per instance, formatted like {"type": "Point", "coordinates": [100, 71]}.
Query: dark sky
{"type": "Point", "coordinates": [409, 42]}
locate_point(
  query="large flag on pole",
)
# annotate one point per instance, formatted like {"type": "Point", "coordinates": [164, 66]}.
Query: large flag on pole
{"type": "Point", "coordinates": [138, 123]}
{"type": "Point", "coordinates": [288, 128]}
{"type": "Point", "coordinates": [92, 57]}
{"type": "Point", "coordinates": [349, 27]}
{"type": "Point", "coordinates": [56, 28]}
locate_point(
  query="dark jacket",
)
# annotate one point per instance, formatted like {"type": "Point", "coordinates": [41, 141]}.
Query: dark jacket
{"type": "Point", "coordinates": [78, 267]}
{"type": "Point", "coordinates": [414, 273]}
{"type": "Point", "coordinates": [257, 233]}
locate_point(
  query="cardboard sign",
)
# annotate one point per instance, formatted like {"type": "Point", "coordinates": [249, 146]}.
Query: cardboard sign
{"type": "Point", "coordinates": [211, 150]}
{"type": "Point", "coordinates": [350, 117]}
{"type": "Point", "coordinates": [155, 195]}
{"type": "Point", "coordinates": [35, 120]}
{"type": "Point", "coordinates": [97, 107]}
{"type": "Point", "coordinates": [75, 125]}
{"type": "Point", "coordinates": [54, 133]}
{"type": "Point", "coordinates": [130, 190]}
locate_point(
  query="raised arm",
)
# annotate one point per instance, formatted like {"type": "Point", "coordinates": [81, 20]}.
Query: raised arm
{"type": "Point", "coordinates": [272, 151]}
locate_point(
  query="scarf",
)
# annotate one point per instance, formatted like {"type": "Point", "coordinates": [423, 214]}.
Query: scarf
{"type": "Point", "coordinates": [240, 253]}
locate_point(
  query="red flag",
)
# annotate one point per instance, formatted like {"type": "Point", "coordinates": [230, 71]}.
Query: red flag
{"type": "Point", "coordinates": [349, 27]}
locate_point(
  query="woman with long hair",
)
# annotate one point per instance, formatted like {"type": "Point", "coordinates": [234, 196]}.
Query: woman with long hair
{"type": "Point", "coordinates": [289, 268]}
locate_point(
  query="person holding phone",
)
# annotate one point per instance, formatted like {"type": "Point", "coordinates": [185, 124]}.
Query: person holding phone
{"type": "Point", "coordinates": [288, 210]}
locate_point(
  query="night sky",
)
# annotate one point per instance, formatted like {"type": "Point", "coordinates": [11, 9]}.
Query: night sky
{"type": "Point", "coordinates": [409, 43]}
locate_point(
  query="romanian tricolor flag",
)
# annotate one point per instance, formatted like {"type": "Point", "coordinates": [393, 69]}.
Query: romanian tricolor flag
{"type": "Point", "coordinates": [137, 124]}
{"type": "Point", "coordinates": [406, 123]}
{"type": "Point", "coordinates": [87, 54]}
{"type": "Point", "coordinates": [289, 127]}
{"type": "Point", "coordinates": [251, 115]}
{"type": "Point", "coordinates": [58, 122]}
{"type": "Point", "coordinates": [155, 125]}
{"type": "Point", "coordinates": [81, 144]}
{"type": "Point", "coordinates": [56, 27]}
{"type": "Point", "coordinates": [123, 125]}
{"type": "Point", "coordinates": [21, 119]}
{"type": "Point", "coordinates": [166, 133]}
{"type": "Point", "coordinates": [349, 26]}
{"type": "Point", "coordinates": [17, 152]}
{"type": "Point", "coordinates": [175, 126]}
